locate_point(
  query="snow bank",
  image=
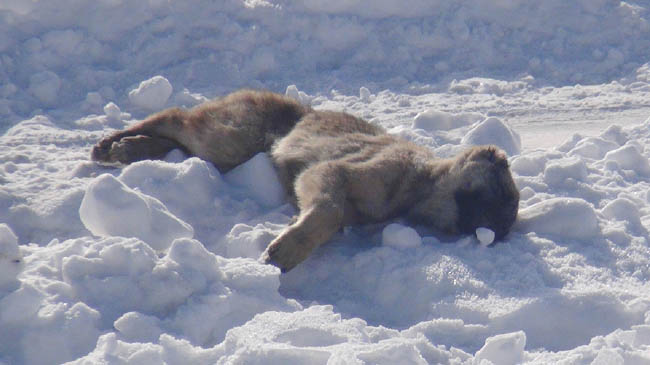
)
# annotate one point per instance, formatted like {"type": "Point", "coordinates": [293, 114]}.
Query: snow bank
{"type": "Point", "coordinates": [54, 57]}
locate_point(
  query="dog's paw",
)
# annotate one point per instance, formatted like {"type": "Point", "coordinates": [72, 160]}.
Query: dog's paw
{"type": "Point", "coordinates": [286, 252]}
{"type": "Point", "coordinates": [101, 151]}
{"type": "Point", "coordinates": [121, 151]}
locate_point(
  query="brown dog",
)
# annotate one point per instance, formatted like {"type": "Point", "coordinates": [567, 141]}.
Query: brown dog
{"type": "Point", "coordinates": [339, 169]}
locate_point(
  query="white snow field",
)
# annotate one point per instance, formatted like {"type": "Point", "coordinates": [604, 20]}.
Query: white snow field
{"type": "Point", "coordinates": [156, 263]}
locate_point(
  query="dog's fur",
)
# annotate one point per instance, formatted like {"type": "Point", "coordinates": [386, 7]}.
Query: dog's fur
{"type": "Point", "coordinates": [337, 168]}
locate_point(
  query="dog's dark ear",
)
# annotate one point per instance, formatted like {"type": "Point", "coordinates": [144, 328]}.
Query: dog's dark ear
{"type": "Point", "coordinates": [497, 157]}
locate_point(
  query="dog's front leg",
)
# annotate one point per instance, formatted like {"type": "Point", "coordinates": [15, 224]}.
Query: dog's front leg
{"type": "Point", "coordinates": [321, 197]}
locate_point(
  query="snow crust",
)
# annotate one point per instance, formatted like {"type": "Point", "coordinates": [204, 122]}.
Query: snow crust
{"type": "Point", "coordinates": [156, 262]}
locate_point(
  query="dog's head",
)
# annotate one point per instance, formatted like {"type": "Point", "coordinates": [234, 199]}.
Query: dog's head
{"type": "Point", "coordinates": [484, 191]}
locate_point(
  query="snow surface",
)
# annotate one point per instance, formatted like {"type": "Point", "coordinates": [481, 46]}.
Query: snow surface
{"type": "Point", "coordinates": [157, 262]}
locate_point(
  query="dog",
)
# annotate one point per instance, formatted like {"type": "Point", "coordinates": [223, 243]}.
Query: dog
{"type": "Point", "coordinates": [336, 168]}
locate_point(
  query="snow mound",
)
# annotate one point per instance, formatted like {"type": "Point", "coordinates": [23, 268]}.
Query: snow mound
{"type": "Point", "coordinates": [623, 209]}
{"type": "Point", "coordinates": [593, 147]}
{"type": "Point", "coordinates": [494, 131]}
{"type": "Point", "coordinates": [152, 94]}
{"type": "Point", "coordinates": [506, 349]}
{"type": "Point", "coordinates": [433, 120]}
{"type": "Point", "coordinates": [110, 208]}
{"type": "Point", "coordinates": [628, 157]}
{"type": "Point", "coordinates": [563, 172]}
{"type": "Point", "coordinates": [258, 177]}
{"type": "Point", "coordinates": [531, 164]}
{"type": "Point", "coordinates": [400, 236]}
{"type": "Point", "coordinates": [567, 217]}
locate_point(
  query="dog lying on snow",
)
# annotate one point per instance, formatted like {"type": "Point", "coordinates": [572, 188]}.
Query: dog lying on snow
{"type": "Point", "coordinates": [337, 169]}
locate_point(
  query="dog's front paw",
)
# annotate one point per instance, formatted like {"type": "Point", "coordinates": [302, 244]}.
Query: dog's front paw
{"type": "Point", "coordinates": [286, 252]}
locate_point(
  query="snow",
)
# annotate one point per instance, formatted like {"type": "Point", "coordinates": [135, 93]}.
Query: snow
{"type": "Point", "coordinates": [506, 349]}
{"type": "Point", "coordinates": [110, 208]}
{"type": "Point", "coordinates": [152, 94]}
{"type": "Point", "coordinates": [494, 131]}
{"type": "Point", "coordinates": [400, 236]}
{"type": "Point", "coordinates": [249, 176]}
{"type": "Point", "coordinates": [156, 262]}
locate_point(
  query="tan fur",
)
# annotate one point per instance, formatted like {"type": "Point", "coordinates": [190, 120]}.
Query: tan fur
{"type": "Point", "coordinates": [339, 169]}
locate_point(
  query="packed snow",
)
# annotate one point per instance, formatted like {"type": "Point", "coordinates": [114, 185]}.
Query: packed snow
{"type": "Point", "coordinates": [157, 262]}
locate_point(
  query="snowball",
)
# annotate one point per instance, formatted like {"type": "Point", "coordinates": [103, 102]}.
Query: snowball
{"type": "Point", "coordinates": [629, 158]}
{"type": "Point", "coordinates": [152, 94]}
{"type": "Point", "coordinates": [110, 208]}
{"type": "Point", "coordinates": [485, 235]}
{"type": "Point", "coordinates": [506, 349]}
{"type": "Point", "coordinates": [259, 178]}
{"type": "Point", "coordinates": [45, 86]}
{"type": "Point", "coordinates": [400, 236]}
{"type": "Point", "coordinates": [494, 131]}
{"type": "Point", "coordinates": [568, 217]}
{"type": "Point", "coordinates": [433, 120]}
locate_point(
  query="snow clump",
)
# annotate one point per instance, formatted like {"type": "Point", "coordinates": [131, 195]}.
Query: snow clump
{"type": "Point", "coordinates": [434, 120]}
{"type": "Point", "coordinates": [505, 349]}
{"type": "Point", "coordinates": [152, 94]}
{"type": "Point", "coordinates": [494, 131]}
{"type": "Point", "coordinates": [110, 208]}
{"type": "Point", "coordinates": [551, 217]}
{"type": "Point", "coordinates": [400, 236]}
